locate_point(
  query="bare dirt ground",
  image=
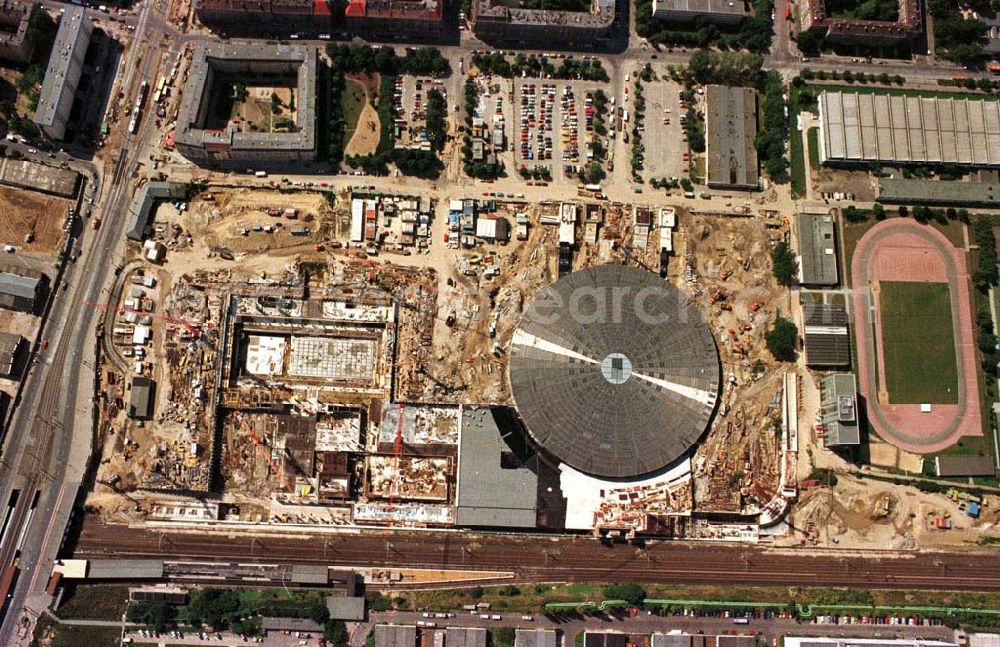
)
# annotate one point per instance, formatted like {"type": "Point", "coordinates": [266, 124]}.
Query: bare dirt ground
{"type": "Point", "coordinates": [365, 137]}
{"type": "Point", "coordinates": [859, 183]}
{"type": "Point", "coordinates": [256, 110]}
{"type": "Point", "coordinates": [23, 212]}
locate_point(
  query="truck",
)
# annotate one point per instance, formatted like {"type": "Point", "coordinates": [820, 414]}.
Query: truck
{"type": "Point", "coordinates": [261, 173]}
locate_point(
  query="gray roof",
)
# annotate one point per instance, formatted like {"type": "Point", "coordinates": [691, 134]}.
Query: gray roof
{"type": "Point", "coordinates": [536, 638]}
{"type": "Point", "coordinates": [965, 465]}
{"type": "Point", "coordinates": [817, 249]}
{"type": "Point", "coordinates": [248, 59]}
{"type": "Point", "coordinates": [310, 574]}
{"type": "Point", "coordinates": [38, 177]}
{"type": "Point", "coordinates": [827, 341]}
{"type": "Point", "coordinates": [730, 136]}
{"type": "Point", "coordinates": [72, 39]}
{"type": "Point", "coordinates": [862, 126]}
{"type": "Point", "coordinates": [671, 640]}
{"type": "Point", "coordinates": [602, 15]}
{"type": "Point", "coordinates": [140, 400]}
{"type": "Point", "coordinates": [125, 569]}
{"type": "Point", "coordinates": [465, 637]}
{"type": "Point", "coordinates": [737, 7]}
{"type": "Point", "coordinates": [604, 639]}
{"type": "Point", "coordinates": [20, 283]}
{"type": "Point", "coordinates": [395, 636]}
{"type": "Point", "coordinates": [146, 198]}
{"type": "Point", "coordinates": [839, 409]}
{"type": "Point", "coordinates": [344, 607]}
{"type": "Point", "coordinates": [934, 191]}
{"type": "Point", "coordinates": [736, 641]}
{"type": "Point", "coordinates": [614, 371]}
{"type": "Point", "coordinates": [489, 493]}
{"type": "Point", "coordinates": [275, 623]}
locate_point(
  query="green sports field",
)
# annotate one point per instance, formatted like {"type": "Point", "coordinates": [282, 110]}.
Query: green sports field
{"type": "Point", "coordinates": [918, 343]}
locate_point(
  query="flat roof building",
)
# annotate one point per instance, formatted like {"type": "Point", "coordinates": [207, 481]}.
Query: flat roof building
{"type": "Point", "coordinates": [839, 410]}
{"type": "Point", "coordinates": [144, 203]}
{"type": "Point", "coordinates": [215, 64]}
{"type": "Point", "coordinates": [349, 608]}
{"type": "Point", "coordinates": [55, 101]}
{"type": "Point", "coordinates": [496, 488]}
{"type": "Point", "coordinates": [465, 637]}
{"type": "Point", "coordinates": [10, 348]}
{"type": "Point", "coordinates": [817, 250]}
{"type": "Point", "coordinates": [383, 19]}
{"type": "Point", "coordinates": [827, 342]}
{"type": "Point", "coordinates": [141, 398]}
{"type": "Point", "coordinates": [20, 288]}
{"type": "Point", "coordinates": [604, 639]}
{"type": "Point", "coordinates": [730, 137]}
{"type": "Point", "coordinates": [25, 174]}
{"type": "Point", "coordinates": [15, 45]}
{"type": "Point", "coordinates": [720, 12]}
{"type": "Point", "coordinates": [507, 20]}
{"type": "Point", "coordinates": [536, 638]}
{"type": "Point", "coordinates": [860, 127]}
{"type": "Point", "coordinates": [395, 636]}
{"type": "Point", "coordinates": [908, 26]}
{"type": "Point", "coordinates": [810, 641]}
{"type": "Point", "coordinates": [938, 192]}
{"type": "Point", "coordinates": [965, 466]}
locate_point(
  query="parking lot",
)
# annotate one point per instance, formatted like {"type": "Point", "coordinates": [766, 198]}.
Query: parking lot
{"type": "Point", "coordinates": [550, 127]}
{"type": "Point", "coordinates": [663, 134]}
{"type": "Point", "coordinates": [411, 107]}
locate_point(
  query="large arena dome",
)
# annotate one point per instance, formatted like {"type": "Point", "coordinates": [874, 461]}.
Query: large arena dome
{"type": "Point", "coordinates": [613, 371]}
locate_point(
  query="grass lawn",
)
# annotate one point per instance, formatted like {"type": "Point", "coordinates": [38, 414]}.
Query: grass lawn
{"type": "Point", "coordinates": [352, 101]}
{"type": "Point", "coordinates": [813, 135]}
{"type": "Point", "coordinates": [919, 343]}
{"type": "Point", "coordinates": [532, 597]}
{"type": "Point", "coordinates": [952, 230]}
{"type": "Point", "coordinates": [93, 602]}
{"type": "Point", "coordinates": [50, 634]}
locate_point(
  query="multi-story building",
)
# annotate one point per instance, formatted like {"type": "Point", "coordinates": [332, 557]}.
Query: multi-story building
{"type": "Point", "coordinates": [14, 42]}
{"type": "Point", "coordinates": [507, 20]}
{"type": "Point", "coordinates": [868, 33]}
{"type": "Point", "coordinates": [383, 19]}
{"type": "Point", "coordinates": [63, 73]}
{"type": "Point", "coordinates": [717, 12]}
{"type": "Point", "coordinates": [233, 142]}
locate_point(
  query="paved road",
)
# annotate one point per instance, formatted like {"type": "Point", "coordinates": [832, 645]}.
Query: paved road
{"type": "Point", "coordinates": [49, 440]}
{"type": "Point", "coordinates": [559, 558]}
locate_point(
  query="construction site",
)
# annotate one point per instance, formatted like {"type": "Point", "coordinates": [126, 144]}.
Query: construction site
{"type": "Point", "coordinates": [339, 376]}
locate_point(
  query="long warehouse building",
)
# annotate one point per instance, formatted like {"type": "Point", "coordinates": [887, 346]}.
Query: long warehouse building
{"type": "Point", "coordinates": [860, 127]}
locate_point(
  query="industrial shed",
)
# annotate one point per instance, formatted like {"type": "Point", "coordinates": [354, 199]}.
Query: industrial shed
{"type": "Point", "coordinates": [730, 137]}
{"type": "Point", "coordinates": [817, 250]}
{"type": "Point", "coordinates": [20, 288]}
{"type": "Point", "coordinates": [860, 127]}
{"type": "Point", "coordinates": [827, 342]}
{"type": "Point", "coordinates": [838, 414]}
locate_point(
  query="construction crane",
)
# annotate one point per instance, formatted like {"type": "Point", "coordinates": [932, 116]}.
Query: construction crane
{"type": "Point", "coordinates": [193, 327]}
{"type": "Point", "coordinates": [256, 441]}
{"type": "Point", "coordinates": [397, 453]}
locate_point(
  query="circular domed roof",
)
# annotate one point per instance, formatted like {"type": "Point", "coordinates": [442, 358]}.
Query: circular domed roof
{"type": "Point", "coordinates": [614, 371]}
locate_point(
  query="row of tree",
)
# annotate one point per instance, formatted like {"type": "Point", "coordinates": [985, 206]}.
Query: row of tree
{"type": "Point", "coordinates": [530, 65]}
{"type": "Point", "coordinates": [753, 33]}
{"type": "Point", "coordinates": [364, 59]}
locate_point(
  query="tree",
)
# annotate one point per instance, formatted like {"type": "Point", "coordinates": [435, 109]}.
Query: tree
{"type": "Point", "coordinates": [275, 102]}
{"type": "Point", "coordinates": [783, 260]}
{"type": "Point", "coordinates": [335, 633]}
{"type": "Point", "coordinates": [781, 339]}
{"type": "Point", "coordinates": [631, 593]}
{"type": "Point", "coordinates": [809, 42]}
